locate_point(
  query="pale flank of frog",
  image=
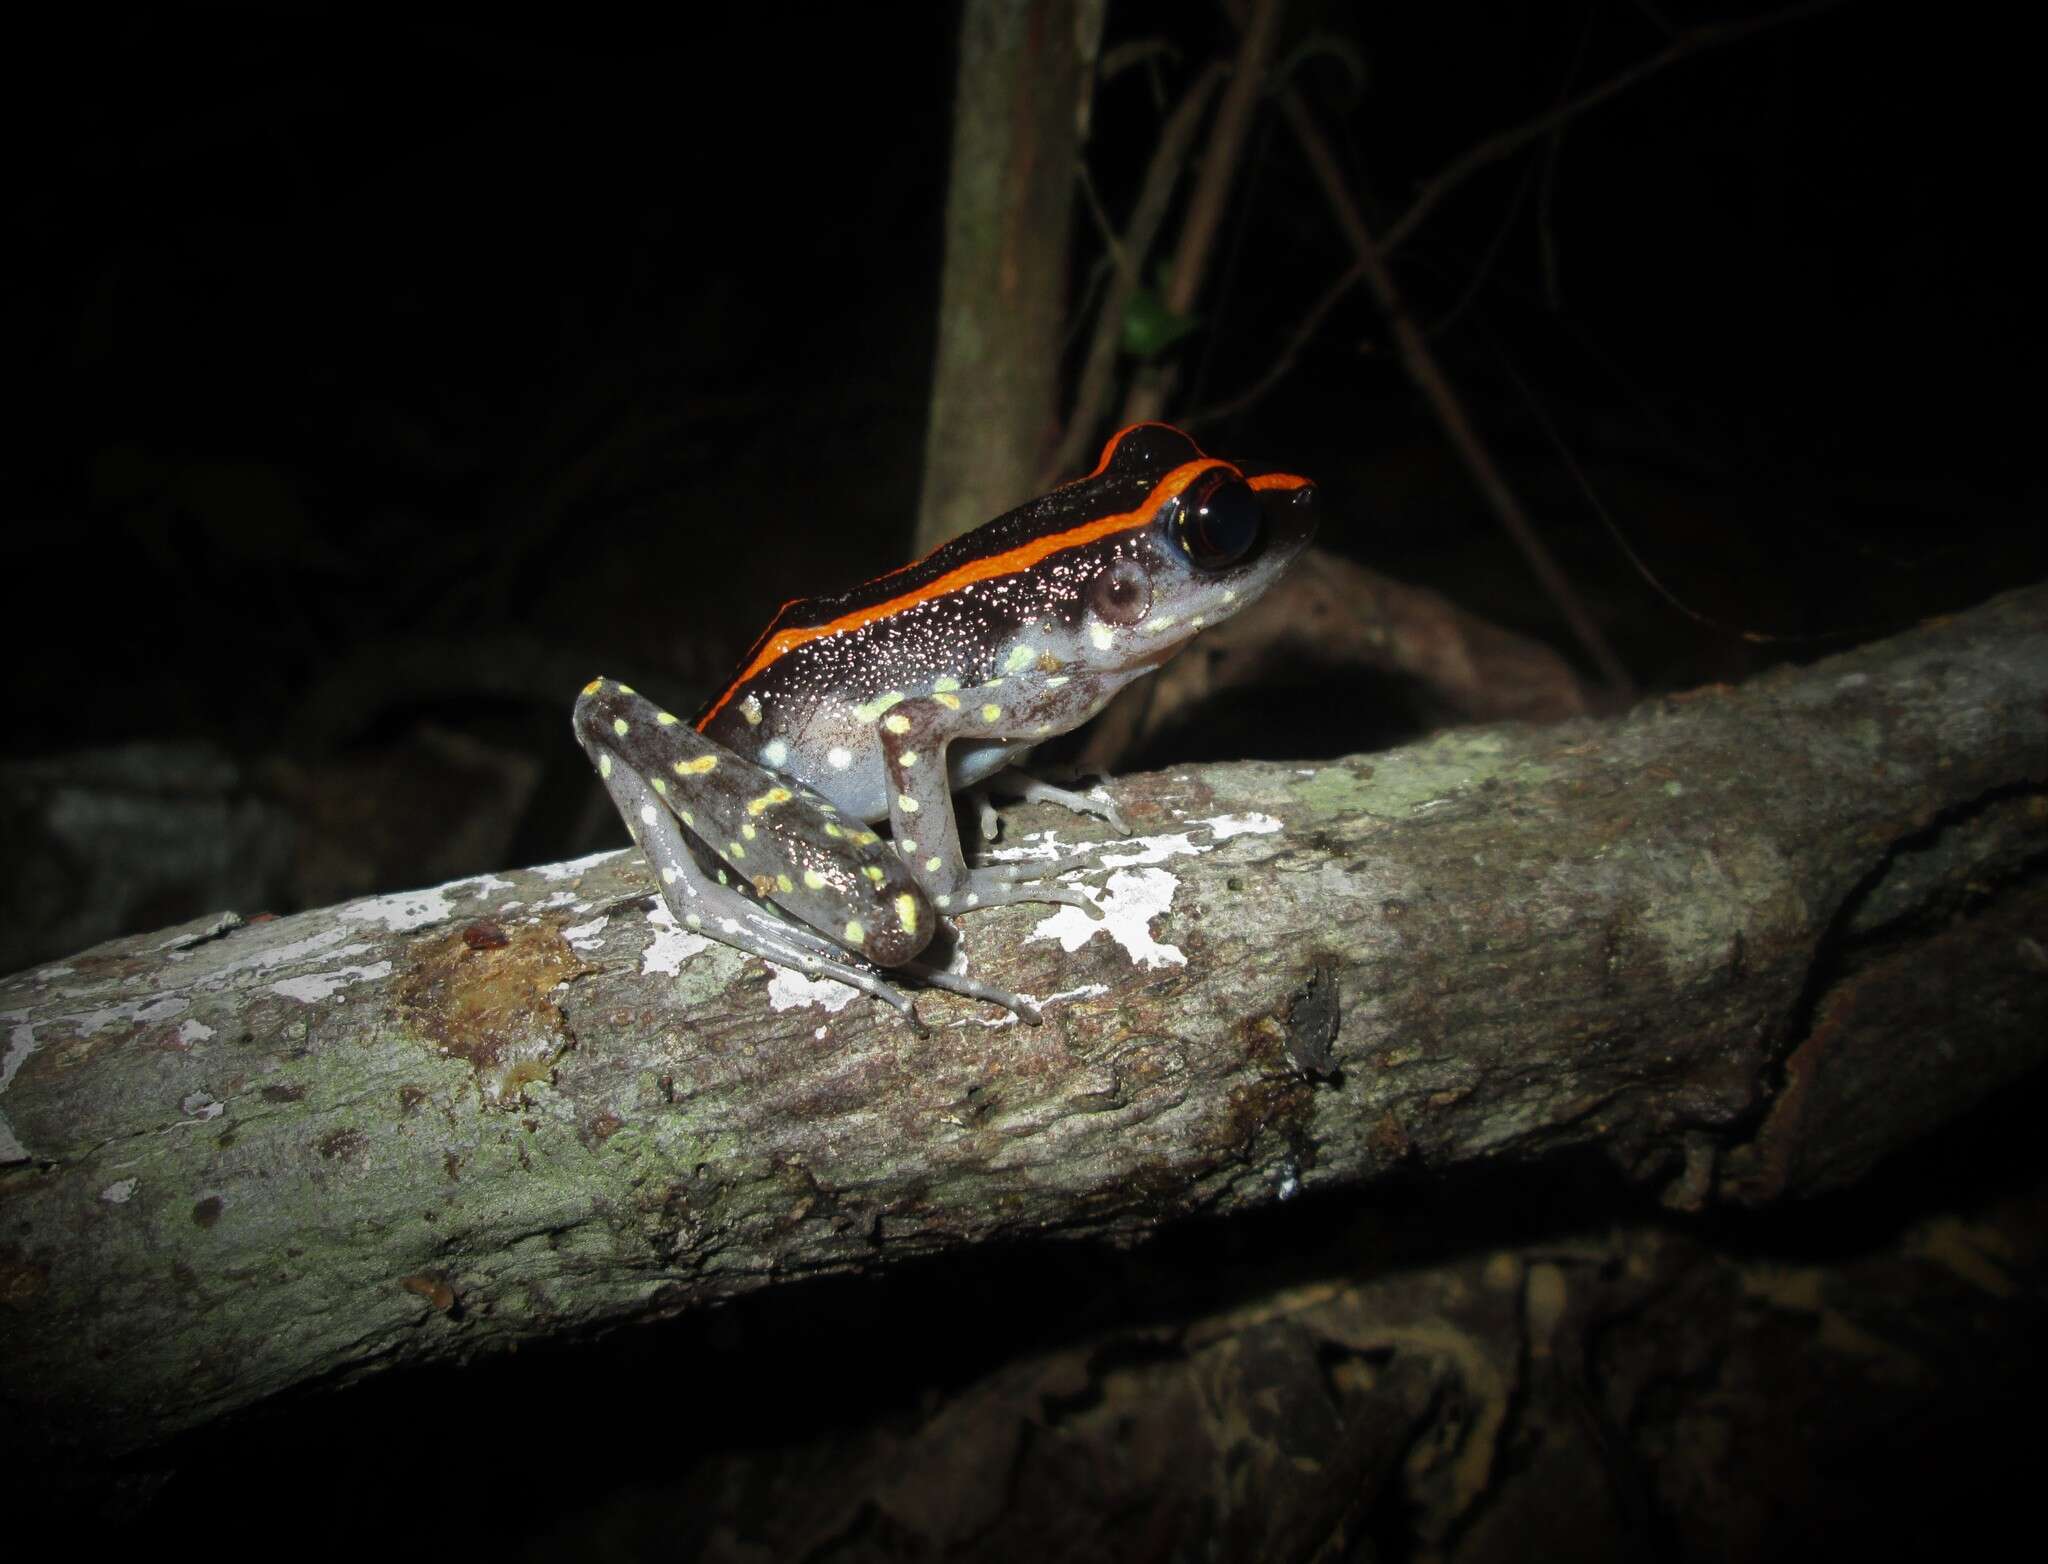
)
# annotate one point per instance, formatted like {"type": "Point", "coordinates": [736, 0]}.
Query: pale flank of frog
{"type": "Point", "coordinates": [875, 704]}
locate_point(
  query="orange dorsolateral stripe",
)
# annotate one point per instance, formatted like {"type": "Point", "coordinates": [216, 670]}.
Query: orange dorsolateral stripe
{"type": "Point", "coordinates": [1008, 563]}
{"type": "Point", "coordinates": [1117, 439]}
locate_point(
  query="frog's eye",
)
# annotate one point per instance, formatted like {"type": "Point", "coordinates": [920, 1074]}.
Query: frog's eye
{"type": "Point", "coordinates": [1121, 593]}
{"type": "Point", "coordinates": [1216, 520]}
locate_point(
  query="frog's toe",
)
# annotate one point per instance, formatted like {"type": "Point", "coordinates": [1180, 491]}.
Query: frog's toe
{"type": "Point", "coordinates": [1036, 790]}
{"type": "Point", "coordinates": [1024, 1009]}
{"type": "Point", "coordinates": [989, 820]}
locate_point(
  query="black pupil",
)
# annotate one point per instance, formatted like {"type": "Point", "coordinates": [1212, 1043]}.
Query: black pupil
{"type": "Point", "coordinates": [1219, 521]}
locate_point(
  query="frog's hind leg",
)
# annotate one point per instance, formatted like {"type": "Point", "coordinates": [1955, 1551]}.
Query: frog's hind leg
{"type": "Point", "coordinates": [959, 983]}
{"type": "Point", "coordinates": [632, 743]}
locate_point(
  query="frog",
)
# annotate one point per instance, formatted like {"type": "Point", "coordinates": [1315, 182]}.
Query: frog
{"type": "Point", "coordinates": [874, 706]}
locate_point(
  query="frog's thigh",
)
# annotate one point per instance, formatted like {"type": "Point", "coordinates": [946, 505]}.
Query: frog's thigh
{"type": "Point", "coordinates": [783, 840]}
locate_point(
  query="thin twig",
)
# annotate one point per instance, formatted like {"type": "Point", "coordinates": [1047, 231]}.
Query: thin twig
{"type": "Point", "coordinates": [1693, 40]}
{"type": "Point", "coordinates": [1282, 366]}
{"type": "Point", "coordinates": [1436, 388]}
{"type": "Point", "coordinates": [1091, 398]}
{"type": "Point", "coordinates": [1864, 631]}
{"type": "Point", "coordinates": [1212, 191]}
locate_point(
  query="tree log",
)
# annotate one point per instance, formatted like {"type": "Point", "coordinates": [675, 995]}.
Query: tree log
{"type": "Point", "coordinates": [1748, 941]}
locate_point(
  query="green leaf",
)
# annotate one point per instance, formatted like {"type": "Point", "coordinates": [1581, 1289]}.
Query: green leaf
{"type": "Point", "coordinates": [1150, 328]}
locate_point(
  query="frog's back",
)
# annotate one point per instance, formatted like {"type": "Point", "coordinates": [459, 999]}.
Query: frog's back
{"type": "Point", "coordinates": [958, 612]}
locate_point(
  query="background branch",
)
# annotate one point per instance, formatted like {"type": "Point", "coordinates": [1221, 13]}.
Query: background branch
{"type": "Point", "coordinates": [1503, 144]}
{"type": "Point", "coordinates": [1444, 401]}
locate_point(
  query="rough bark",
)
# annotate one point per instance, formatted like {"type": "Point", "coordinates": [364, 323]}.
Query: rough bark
{"type": "Point", "coordinates": [1748, 941]}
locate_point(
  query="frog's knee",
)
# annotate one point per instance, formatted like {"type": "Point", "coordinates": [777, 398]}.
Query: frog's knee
{"type": "Point", "coordinates": [895, 931]}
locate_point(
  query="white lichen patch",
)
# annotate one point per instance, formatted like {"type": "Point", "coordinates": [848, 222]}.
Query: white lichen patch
{"type": "Point", "coordinates": [402, 911]}
{"type": "Point", "coordinates": [671, 946]}
{"type": "Point", "coordinates": [19, 1045]}
{"type": "Point", "coordinates": [789, 990]}
{"type": "Point", "coordinates": [326, 946]}
{"type": "Point", "coordinates": [1200, 837]}
{"type": "Point", "coordinates": [120, 1192]}
{"type": "Point", "coordinates": [1037, 845]}
{"type": "Point", "coordinates": [587, 936]}
{"type": "Point", "coordinates": [1152, 849]}
{"type": "Point", "coordinates": [1129, 903]}
{"type": "Point", "coordinates": [1223, 827]}
{"type": "Point", "coordinates": [1006, 1018]}
{"type": "Point", "coordinates": [21, 1042]}
{"type": "Point", "coordinates": [130, 1012]}
{"type": "Point", "coordinates": [576, 868]}
{"type": "Point", "coordinates": [312, 987]}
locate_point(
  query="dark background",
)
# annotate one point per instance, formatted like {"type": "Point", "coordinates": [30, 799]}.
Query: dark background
{"type": "Point", "coordinates": [383, 379]}
{"type": "Point", "coordinates": [610, 334]}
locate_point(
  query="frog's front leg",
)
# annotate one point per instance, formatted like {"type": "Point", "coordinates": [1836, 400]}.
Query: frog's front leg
{"type": "Point", "coordinates": [914, 736]}
{"type": "Point", "coordinates": [777, 840]}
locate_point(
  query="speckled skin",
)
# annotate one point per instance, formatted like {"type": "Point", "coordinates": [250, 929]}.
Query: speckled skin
{"type": "Point", "coordinates": [876, 703]}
